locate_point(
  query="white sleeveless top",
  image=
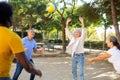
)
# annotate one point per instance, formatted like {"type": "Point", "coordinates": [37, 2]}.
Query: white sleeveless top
{"type": "Point", "coordinates": [115, 58]}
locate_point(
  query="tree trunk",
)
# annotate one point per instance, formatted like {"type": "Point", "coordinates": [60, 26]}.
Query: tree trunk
{"type": "Point", "coordinates": [14, 28]}
{"type": "Point", "coordinates": [63, 35]}
{"type": "Point", "coordinates": [115, 20]}
{"type": "Point", "coordinates": [57, 34]}
{"type": "Point", "coordinates": [22, 33]}
{"type": "Point", "coordinates": [104, 37]}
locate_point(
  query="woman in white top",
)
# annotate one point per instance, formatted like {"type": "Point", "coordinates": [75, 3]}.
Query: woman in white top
{"type": "Point", "coordinates": [113, 54]}
{"type": "Point", "coordinates": [76, 48]}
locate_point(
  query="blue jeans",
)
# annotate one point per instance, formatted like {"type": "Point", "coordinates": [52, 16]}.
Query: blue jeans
{"type": "Point", "coordinates": [78, 59]}
{"type": "Point", "coordinates": [4, 78]}
{"type": "Point", "coordinates": [19, 69]}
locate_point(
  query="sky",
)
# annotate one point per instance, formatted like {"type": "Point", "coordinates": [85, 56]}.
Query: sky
{"type": "Point", "coordinates": [100, 30]}
{"type": "Point", "coordinates": [78, 3]}
{"type": "Point", "coordinates": [4, 0]}
{"type": "Point", "coordinates": [60, 5]}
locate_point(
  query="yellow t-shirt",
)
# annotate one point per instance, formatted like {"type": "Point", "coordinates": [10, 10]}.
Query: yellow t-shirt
{"type": "Point", "coordinates": [10, 44]}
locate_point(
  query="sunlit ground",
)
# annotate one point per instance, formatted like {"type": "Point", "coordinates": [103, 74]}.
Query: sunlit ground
{"type": "Point", "coordinates": [59, 68]}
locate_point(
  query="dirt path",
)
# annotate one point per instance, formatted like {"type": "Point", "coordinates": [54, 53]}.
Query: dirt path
{"type": "Point", "coordinates": [59, 68]}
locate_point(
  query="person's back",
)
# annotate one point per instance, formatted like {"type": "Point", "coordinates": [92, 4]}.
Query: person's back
{"type": "Point", "coordinates": [10, 45]}
{"type": "Point", "coordinates": [7, 40]}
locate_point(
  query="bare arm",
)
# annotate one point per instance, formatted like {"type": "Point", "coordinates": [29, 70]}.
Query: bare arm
{"type": "Point", "coordinates": [82, 22]}
{"type": "Point", "coordinates": [38, 51]}
{"type": "Point", "coordinates": [83, 34]}
{"type": "Point", "coordinates": [25, 49]}
{"type": "Point", "coordinates": [29, 67]}
{"type": "Point", "coordinates": [68, 21]}
{"type": "Point", "coordinates": [68, 33]}
{"type": "Point", "coordinates": [101, 57]}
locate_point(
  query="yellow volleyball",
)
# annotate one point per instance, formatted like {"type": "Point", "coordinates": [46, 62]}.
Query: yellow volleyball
{"type": "Point", "coordinates": [51, 7]}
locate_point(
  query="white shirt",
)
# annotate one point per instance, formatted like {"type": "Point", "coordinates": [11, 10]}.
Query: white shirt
{"type": "Point", "coordinates": [115, 58]}
{"type": "Point", "coordinates": [75, 45]}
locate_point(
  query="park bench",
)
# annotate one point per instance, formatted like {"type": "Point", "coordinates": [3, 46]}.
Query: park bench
{"type": "Point", "coordinates": [39, 45]}
{"type": "Point", "coordinates": [50, 46]}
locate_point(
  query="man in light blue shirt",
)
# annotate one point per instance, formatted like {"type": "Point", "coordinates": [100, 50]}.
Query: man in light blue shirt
{"type": "Point", "coordinates": [29, 47]}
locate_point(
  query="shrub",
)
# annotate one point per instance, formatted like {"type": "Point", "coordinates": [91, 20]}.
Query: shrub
{"type": "Point", "coordinates": [94, 44]}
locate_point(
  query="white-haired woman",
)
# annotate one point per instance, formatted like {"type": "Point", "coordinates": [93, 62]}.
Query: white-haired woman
{"type": "Point", "coordinates": [76, 48]}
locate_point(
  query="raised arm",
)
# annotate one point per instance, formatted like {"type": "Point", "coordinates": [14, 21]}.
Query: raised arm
{"type": "Point", "coordinates": [82, 22]}
{"type": "Point", "coordinates": [83, 34]}
{"type": "Point", "coordinates": [68, 33]}
{"type": "Point", "coordinates": [68, 21]}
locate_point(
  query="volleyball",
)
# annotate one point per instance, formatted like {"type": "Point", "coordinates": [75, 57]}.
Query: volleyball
{"type": "Point", "coordinates": [51, 7]}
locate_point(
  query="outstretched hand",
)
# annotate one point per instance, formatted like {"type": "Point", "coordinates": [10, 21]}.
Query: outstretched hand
{"type": "Point", "coordinates": [41, 50]}
{"type": "Point", "coordinates": [81, 19]}
{"type": "Point", "coordinates": [25, 49]}
{"type": "Point", "coordinates": [39, 73]}
{"type": "Point", "coordinates": [68, 20]}
{"type": "Point", "coordinates": [91, 60]}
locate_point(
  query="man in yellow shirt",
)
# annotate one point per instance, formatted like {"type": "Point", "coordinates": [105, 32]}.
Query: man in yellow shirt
{"type": "Point", "coordinates": [10, 45]}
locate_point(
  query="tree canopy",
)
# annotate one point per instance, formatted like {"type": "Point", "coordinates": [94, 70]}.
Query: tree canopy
{"type": "Point", "coordinates": [33, 14]}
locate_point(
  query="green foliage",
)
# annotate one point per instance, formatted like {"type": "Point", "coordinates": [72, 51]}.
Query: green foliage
{"type": "Point", "coordinates": [57, 41]}
{"type": "Point", "coordinates": [90, 14]}
{"type": "Point", "coordinates": [32, 13]}
{"type": "Point", "coordinates": [94, 44]}
{"type": "Point", "coordinates": [41, 8]}
{"type": "Point", "coordinates": [104, 7]}
{"type": "Point", "coordinates": [92, 34]}
{"type": "Point", "coordinates": [38, 36]}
